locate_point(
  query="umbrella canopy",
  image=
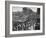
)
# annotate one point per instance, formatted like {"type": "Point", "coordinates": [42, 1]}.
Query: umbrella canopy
{"type": "Point", "coordinates": [24, 15]}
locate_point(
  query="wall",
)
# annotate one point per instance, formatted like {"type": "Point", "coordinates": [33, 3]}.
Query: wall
{"type": "Point", "coordinates": [2, 19]}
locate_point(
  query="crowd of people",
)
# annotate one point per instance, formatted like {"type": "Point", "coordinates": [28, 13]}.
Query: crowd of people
{"type": "Point", "coordinates": [32, 22]}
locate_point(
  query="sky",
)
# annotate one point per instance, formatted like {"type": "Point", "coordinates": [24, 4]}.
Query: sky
{"type": "Point", "coordinates": [20, 9]}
